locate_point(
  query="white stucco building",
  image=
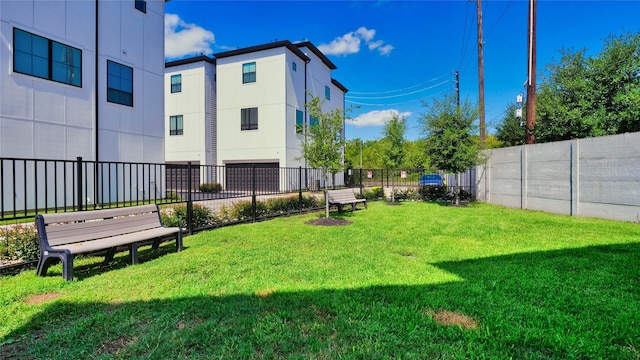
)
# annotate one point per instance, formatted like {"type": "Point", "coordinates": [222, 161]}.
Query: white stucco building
{"type": "Point", "coordinates": [82, 78]}
{"type": "Point", "coordinates": [246, 108]}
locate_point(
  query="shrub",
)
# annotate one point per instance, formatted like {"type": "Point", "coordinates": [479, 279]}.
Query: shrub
{"type": "Point", "coordinates": [409, 194]}
{"type": "Point", "coordinates": [210, 188]}
{"type": "Point", "coordinates": [433, 193]}
{"type": "Point", "coordinates": [20, 242]}
{"type": "Point", "coordinates": [244, 210]}
{"type": "Point", "coordinates": [173, 195]}
{"type": "Point", "coordinates": [375, 193]}
{"type": "Point", "coordinates": [465, 195]}
{"type": "Point", "coordinates": [281, 205]}
{"type": "Point", "coordinates": [177, 216]}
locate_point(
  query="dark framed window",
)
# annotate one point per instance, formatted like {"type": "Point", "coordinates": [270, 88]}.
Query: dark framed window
{"type": "Point", "coordinates": [141, 5]}
{"type": "Point", "coordinates": [119, 83]}
{"type": "Point", "coordinates": [299, 122]}
{"type": "Point", "coordinates": [249, 73]}
{"type": "Point", "coordinates": [46, 59]}
{"type": "Point", "coordinates": [327, 93]}
{"type": "Point", "coordinates": [313, 121]}
{"type": "Point", "coordinates": [175, 125]}
{"type": "Point", "coordinates": [176, 83]}
{"type": "Point", "coordinates": [294, 66]}
{"type": "Point", "coordinates": [249, 119]}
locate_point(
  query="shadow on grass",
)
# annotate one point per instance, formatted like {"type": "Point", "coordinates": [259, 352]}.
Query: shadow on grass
{"type": "Point", "coordinates": [574, 303]}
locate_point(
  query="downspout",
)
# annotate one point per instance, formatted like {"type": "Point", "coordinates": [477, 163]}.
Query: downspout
{"type": "Point", "coordinates": [304, 130]}
{"type": "Point", "coordinates": [97, 98]}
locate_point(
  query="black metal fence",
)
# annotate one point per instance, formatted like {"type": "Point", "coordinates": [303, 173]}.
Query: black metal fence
{"type": "Point", "coordinates": [31, 186]}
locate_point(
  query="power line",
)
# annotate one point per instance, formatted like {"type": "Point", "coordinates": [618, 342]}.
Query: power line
{"type": "Point", "coordinates": [398, 95]}
{"type": "Point", "coordinates": [397, 103]}
{"type": "Point", "coordinates": [499, 18]}
{"type": "Point", "coordinates": [397, 90]}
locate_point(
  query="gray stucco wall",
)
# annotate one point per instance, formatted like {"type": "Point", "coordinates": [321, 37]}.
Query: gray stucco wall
{"type": "Point", "coordinates": [596, 177]}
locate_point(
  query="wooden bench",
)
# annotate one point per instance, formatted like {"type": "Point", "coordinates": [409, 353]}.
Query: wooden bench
{"type": "Point", "coordinates": [63, 235]}
{"type": "Point", "coordinates": [343, 197]}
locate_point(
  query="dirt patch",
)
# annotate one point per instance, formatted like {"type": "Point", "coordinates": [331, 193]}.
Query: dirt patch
{"type": "Point", "coordinates": [42, 298]}
{"type": "Point", "coordinates": [450, 318]}
{"type": "Point", "coordinates": [329, 222]}
{"type": "Point", "coordinates": [112, 346]}
{"type": "Point", "coordinates": [264, 293]}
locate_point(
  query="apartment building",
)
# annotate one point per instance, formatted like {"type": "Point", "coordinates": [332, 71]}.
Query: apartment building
{"type": "Point", "coordinates": [82, 78]}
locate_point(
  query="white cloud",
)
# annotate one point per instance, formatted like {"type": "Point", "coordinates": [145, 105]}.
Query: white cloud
{"type": "Point", "coordinates": [376, 117]}
{"type": "Point", "coordinates": [182, 39]}
{"type": "Point", "coordinates": [350, 42]}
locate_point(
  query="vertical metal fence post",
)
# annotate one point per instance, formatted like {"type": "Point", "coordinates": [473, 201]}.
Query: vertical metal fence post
{"type": "Point", "coordinates": [253, 192]}
{"type": "Point", "coordinates": [189, 201]}
{"type": "Point", "coordinates": [79, 182]}
{"type": "Point", "coordinates": [300, 188]}
{"type": "Point", "coordinates": [361, 184]}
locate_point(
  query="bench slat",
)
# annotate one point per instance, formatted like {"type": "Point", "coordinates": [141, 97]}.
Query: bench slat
{"type": "Point", "coordinates": [101, 244]}
{"type": "Point", "coordinates": [83, 231]}
{"type": "Point", "coordinates": [97, 214]}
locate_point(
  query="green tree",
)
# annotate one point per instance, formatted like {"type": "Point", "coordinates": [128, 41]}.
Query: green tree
{"type": "Point", "coordinates": [449, 133]}
{"type": "Point", "coordinates": [324, 142]}
{"type": "Point", "coordinates": [511, 131]}
{"type": "Point", "coordinates": [393, 143]}
{"type": "Point", "coordinates": [584, 96]}
{"type": "Point", "coordinates": [415, 156]}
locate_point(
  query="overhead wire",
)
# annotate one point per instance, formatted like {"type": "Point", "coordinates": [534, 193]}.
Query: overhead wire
{"type": "Point", "coordinates": [397, 90]}
{"type": "Point", "coordinates": [398, 95]}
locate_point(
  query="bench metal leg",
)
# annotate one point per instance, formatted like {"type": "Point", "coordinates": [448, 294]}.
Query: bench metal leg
{"type": "Point", "coordinates": [179, 241]}
{"type": "Point", "coordinates": [109, 256]}
{"type": "Point", "coordinates": [49, 258]}
{"type": "Point", "coordinates": [133, 253]}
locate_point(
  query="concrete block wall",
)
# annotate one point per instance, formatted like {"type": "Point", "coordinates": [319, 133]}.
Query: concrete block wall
{"type": "Point", "coordinates": [595, 177]}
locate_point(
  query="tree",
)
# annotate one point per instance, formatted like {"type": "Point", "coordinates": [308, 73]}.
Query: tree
{"type": "Point", "coordinates": [511, 131]}
{"type": "Point", "coordinates": [449, 136]}
{"type": "Point", "coordinates": [324, 142]}
{"type": "Point", "coordinates": [591, 96]}
{"type": "Point", "coordinates": [393, 142]}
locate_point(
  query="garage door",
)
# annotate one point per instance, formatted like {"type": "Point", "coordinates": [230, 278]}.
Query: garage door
{"type": "Point", "coordinates": [239, 177]}
{"type": "Point", "coordinates": [177, 175]}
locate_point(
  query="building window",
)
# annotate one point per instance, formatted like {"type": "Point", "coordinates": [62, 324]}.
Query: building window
{"type": "Point", "coordinates": [327, 93]}
{"type": "Point", "coordinates": [249, 73]}
{"type": "Point", "coordinates": [294, 66]}
{"type": "Point", "coordinates": [299, 122]}
{"type": "Point", "coordinates": [249, 119]}
{"type": "Point", "coordinates": [176, 83]}
{"type": "Point", "coordinates": [313, 121]}
{"type": "Point", "coordinates": [119, 83]}
{"type": "Point", "coordinates": [175, 125]}
{"type": "Point", "coordinates": [47, 59]}
{"type": "Point", "coordinates": [141, 5]}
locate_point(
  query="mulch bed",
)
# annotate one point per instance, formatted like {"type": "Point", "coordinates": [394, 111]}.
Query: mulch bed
{"type": "Point", "coordinates": [329, 222]}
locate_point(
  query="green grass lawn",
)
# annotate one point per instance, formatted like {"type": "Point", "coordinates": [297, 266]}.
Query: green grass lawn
{"type": "Point", "coordinates": [416, 281]}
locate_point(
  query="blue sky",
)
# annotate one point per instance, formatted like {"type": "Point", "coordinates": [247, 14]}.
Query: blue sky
{"type": "Point", "coordinates": [391, 55]}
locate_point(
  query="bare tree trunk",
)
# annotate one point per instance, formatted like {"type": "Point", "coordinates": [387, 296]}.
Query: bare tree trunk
{"type": "Point", "coordinates": [457, 189]}
{"type": "Point", "coordinates": [326, 194]}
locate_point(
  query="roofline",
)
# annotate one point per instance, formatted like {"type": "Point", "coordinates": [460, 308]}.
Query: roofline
{"type": "Point", "coordinates": [339, 85]}
{"type": "Point", "coordinates": [269, 46]}
{"type": "Point", "coordinates": [318, 53]}
{"type": "Point", "coordinates": [190, 61]}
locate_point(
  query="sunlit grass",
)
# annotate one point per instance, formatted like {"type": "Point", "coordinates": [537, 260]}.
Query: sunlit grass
{"type": "Point", "coordinates": [535, 285]}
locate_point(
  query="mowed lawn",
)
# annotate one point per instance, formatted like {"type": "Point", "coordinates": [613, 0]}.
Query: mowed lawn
{"type": "Point", "coordinates": [416, 281]}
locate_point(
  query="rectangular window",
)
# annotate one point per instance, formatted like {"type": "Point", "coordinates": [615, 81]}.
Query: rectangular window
{"type": "Point", "coordinates": [249, 119]}
{"type": "Point", "coordinates": [249, 73]}
{"type": "Point", "coordinates": [327, 93]}
{"type": "Point", "coordinates": [119, 83]}
{"type": "Point", "coordinates": [141, 5]}
{"type": "Point", "coordinates": [299, 122]}
{"type": "Point", "coordinates": [294, 66]}
{"type": "Point", "coordinates": [176, 83]}
{"type": "Point", "coordinates": [175, 125]}
{"type": "Point", "coordinates": [47, 59]}
{"type": "Point", "coordinates": [313, 121]}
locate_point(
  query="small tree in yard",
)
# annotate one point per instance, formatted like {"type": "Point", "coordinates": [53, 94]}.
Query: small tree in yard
{"type": "Point", "coordinates": [449, 136]}
{"type": "Point", "coordinates": [324, 142]}
{"type": "Point", "coordinates": [393, 141]}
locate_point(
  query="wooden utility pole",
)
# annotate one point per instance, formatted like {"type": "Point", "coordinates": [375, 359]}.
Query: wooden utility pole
{"type": "Point", "coordinates": [480, 72]}
{"type": "Point", "coordinates": [531, 80]}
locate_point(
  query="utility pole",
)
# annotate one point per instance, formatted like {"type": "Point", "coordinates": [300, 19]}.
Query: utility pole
{"type": "Point", "coordinates": [480, 72]}
{"type": "Point", "coordinates": [457, 81]}
{"type": "Point", "coordinates": [531, 81]}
